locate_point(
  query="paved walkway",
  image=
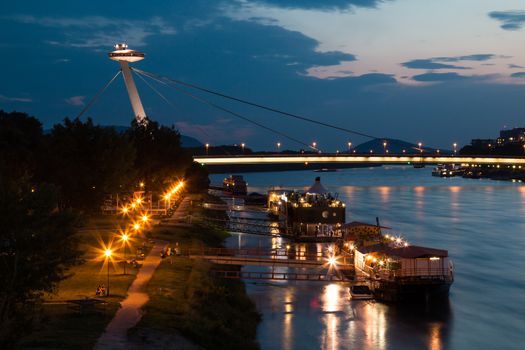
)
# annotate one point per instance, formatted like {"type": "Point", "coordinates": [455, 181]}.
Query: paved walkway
{"type": "Point", "coordinates": [129, 314]}
{"type": "Point", "coordinates": [181, 213]}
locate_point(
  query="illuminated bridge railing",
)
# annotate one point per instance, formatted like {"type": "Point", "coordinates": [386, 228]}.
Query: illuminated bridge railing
{"type": "Point", "coordinates": [361, 159]}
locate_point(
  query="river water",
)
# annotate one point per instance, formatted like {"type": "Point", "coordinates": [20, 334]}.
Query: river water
{"type": "Point", "coordinates": [480, 222]}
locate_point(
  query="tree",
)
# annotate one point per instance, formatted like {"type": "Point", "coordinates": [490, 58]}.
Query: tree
{"type": "Point", "coordinates": [197, 178]}
{"type": "Point", "coordinates": [20, 142]}
{"type": "Point", "coordinates": [36, 248]}
{"type": "Point", "coordinates": [160, 157]}
{"type": "Point", "coordinates": [87, 162]}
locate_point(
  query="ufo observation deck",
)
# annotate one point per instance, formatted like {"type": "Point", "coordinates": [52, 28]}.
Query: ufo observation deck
{"type": "Point", "coordinates": [122, 53]}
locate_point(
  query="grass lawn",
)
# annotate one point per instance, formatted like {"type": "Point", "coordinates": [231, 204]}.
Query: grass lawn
{"type": "Point", "coordinates": [186, 299]}
{"type": "Point", "coordinates": [58, 326]}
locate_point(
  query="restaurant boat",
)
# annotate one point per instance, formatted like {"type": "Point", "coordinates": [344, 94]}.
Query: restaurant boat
{"type": "Point", "coordinates": [314, 215]}
{"type": "Point", "coordinates": [235, 184]}
{"type": "Point", "coordinates": [397, 271]}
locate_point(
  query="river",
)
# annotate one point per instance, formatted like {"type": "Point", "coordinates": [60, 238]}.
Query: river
{"type": "Point", "coordinates": [480, 222]}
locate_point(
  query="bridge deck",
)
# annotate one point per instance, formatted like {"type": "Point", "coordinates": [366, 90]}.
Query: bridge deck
{"type": "Point", "coordinates": [270, 261]}
{"type": "Point", "coordinates": [357, 158]}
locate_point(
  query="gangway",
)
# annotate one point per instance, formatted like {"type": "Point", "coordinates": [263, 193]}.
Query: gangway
{"type": "Point", "coordinates": [273, 258]}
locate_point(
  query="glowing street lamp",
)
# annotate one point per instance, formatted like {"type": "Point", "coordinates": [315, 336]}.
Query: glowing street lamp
{"type": "Point", "coordinates": [141, 184]}
{"type": "Point", "coordinates": [125, 210]}
{"type": "Point", "coordinates": [314, 145]}
{"type": "Point", "coordinates": [136, 226]}
{"type": "Point", "coordinates": [107, 254]}
{"type": "Point", "coordinates": [419, 144]}
{"type": "Point", "coordinates": [145, 218]}
{"type": "Point", "coordinates": [207, 147]}
{"type": "Point", "coordinates": [455, 145]}
{"type": "Point", "coordinates": [278, 146]}
{"type": "Point", "coordinates": [384, 146]}
{"type": "Point", "coordinates": [125, 239]}
{"type": "Point", "coordinates": [242, 146]}
{"type": "Point", "coordinates": [349, 145]}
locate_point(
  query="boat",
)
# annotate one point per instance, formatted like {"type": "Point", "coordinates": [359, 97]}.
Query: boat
{"type": "Point", "coordinates": [326, 170]}
{"type": "Point", "coordinates": [235, 184]}
{"type": "Point", "coordinates": [402, 272]}
{"type": "Point", "coordinates": [314, 215]}
{"type": "Point", "coordinates": [447, 170]}
{"type": "Point", "coordinates": [361, 292]}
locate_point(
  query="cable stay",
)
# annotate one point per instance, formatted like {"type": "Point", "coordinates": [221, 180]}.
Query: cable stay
{"type": "Point", "coordinates": [253, 104]}
{"type": "Point", "coordinates": [171, 104]}
{"type": "Point", "coordinates": [235, 114]}
{"type": "Point", "coordinates": [172, 82]}
{"type": "Point", "coordinates": [97, 95]}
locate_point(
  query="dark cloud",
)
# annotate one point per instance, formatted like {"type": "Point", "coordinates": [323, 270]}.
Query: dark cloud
{"type": "Point", "coordinates": [429, 63]}
{"type": "Point", "coordinates": [429, 77]}
{"type": "Point", "coordinates": [510, 20]}
{"type": "Point", "coordinates": [477, 57]}
{"type": "Point", "coordinates": [518, 75]}
{"type": "Point", "coordinates": [437, 62]}
{"type": "Point", "coordinates": [321, 4]}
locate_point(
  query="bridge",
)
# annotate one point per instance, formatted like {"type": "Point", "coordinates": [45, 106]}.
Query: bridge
{"type": "Point", "coordinates": [335, 160]}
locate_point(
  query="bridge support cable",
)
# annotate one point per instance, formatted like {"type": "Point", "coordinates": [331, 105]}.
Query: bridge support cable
{"type": "Point", "coordinates": [257, 105]}
{"type": "Point", "coordinates": [97, 95]}
{"type": "Point", "coordinates": [171, 104]}
{"type": "Point", "coordinates": [174, 82]}
{"type": "Point", "coordinates": [235, 114]}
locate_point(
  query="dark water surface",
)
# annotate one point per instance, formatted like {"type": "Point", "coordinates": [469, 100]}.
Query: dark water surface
{"type": "Point", "coordinates": [480, 222]}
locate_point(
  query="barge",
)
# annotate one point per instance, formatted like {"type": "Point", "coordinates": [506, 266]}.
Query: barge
{"type": "Point", "coordinates": [314, 215]}
{"type": "Point", "coordinates": [235, 184]}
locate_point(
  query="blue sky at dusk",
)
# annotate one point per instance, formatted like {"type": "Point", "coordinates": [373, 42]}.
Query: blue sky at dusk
{"type": "Point", "coordinates": [432, 71]}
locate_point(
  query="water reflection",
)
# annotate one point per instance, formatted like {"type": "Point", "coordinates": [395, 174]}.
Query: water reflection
{"type": "Point", "coordinates": [481, 223]}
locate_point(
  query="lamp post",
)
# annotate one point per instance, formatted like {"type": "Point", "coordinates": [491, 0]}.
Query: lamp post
{"type": "Point", "coordinates": [207, 147]}
{"type": "Point", "coordinates": [349, 146]}
{"type": "Point", "coordinates": [278, 147]}
{"type": "Point", "coordinates": [108, 253]}
{"type": "Point", "coordinates": [419, 144]}
{"type": "Point", "coordinates": [242, 146]}
{"type": "Point", "coordinates": [314, 145]}
{"type": "Point", "coordinates": [384, 146]}
{"type": "Point", "coordinates": [125, 238]}
{"type": "Point", "coordinates": [455, 147]}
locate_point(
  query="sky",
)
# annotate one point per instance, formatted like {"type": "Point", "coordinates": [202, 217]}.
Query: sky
{"type": "Point", "coordinates": [435, 72]}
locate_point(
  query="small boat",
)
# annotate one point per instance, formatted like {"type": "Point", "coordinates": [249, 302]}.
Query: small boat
{"type": "Point", "coordinates": [361, 292]}
{"type": "Point", "coordinates": [325, 170]}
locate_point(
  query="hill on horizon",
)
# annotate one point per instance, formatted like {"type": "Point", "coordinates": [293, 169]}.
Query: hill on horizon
{"type": "Point", "coordinates": [393, 146]}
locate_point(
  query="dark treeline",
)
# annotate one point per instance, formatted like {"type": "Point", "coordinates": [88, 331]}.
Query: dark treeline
{"type": "Point", "coordinates": [48, 180]}
{"type": "Point", "coordinates": [510, 149]}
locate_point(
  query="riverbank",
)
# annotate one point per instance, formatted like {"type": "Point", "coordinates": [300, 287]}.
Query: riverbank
{"type": "Point", "coordinates": [188, 306]}
{"type": "Point", "coordinates": [55, 323]}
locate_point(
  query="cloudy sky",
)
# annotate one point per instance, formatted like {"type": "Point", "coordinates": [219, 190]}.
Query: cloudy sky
{"type": "Point", "coordinates": [432, 71]}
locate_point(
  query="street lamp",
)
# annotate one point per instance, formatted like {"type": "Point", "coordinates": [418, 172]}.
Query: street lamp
{"type": "Point", "coordinates": [107, 254]}
{"type": "Point", "coordinates": [145, 218]}
{"type": "Point", "coordinates": [419, 144]}
{"type": "Point", "coordinates": [384, 146]}
{"type": "Point", "coordinates": [455, 147]}
{"type": "Point", "coordinates": [349, 146]}
{"type": "Point", "coordinates": [207, 146]}
{"type": "Point", "coordinates": [136, 226]}
{"type": "Point", "coordinates": [125, 239]}
{"type": "Point", "coordinates": [278, 146]}
{"type": "Point", "coordinates": [242, 146]}
{"type": "Point", "coordinates": [314, 145]}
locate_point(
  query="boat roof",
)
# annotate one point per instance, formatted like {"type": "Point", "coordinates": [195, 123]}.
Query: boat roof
{"type": "Point", "coordinates": [357, 224]}
{"type": "Point", "coordinates": [317, 187]}
{"type": "Point", "coordinates": [410, 252]}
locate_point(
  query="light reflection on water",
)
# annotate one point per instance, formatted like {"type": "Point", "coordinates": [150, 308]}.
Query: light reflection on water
{"type": "Point", "coordinates": [480, 222]}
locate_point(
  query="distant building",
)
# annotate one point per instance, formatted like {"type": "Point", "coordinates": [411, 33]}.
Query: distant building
{"type": "Point", "coordinates": [483, 143]}
{"type": "Point", "coordinates": [511, 136]}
